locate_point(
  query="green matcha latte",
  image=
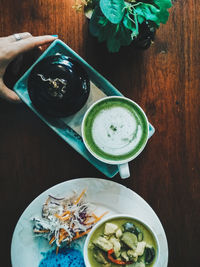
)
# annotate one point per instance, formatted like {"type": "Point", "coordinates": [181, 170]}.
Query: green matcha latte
{"type": "Point", "coordinates": [115, 129]}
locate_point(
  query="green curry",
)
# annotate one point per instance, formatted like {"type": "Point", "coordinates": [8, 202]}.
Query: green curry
{"type": "Point", "coordinates": [122, 242]}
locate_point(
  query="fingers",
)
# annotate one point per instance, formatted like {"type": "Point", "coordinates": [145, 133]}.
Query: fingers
{"type": "Point", "coordinates": [10, 48]}
{"type": "Point", "coordinates": [22, 36]}
{"type": "Point", "coordinates": [29, 43]}
{"type": "Point", "coordinates": [8, 94]}
{"type": "Point", "coordinates": [33, 42]}
{"type": "Point", "coordinates": [12, 38]}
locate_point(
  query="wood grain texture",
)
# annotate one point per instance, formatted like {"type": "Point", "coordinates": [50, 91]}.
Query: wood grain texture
{"type": "Point", "coordinates": [164, 80]}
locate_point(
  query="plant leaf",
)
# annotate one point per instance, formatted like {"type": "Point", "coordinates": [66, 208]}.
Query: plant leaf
{"type": "Point", "coordinates": [103, 21]}
{"type": "Point", "coordinates": [113, 10]}
{"type": "Point", "coordinates": [124, 35]}
{"type": "Point", "coordinates": [141, 19]}
{"type": "Point", "coordinates": [100, 26]}
{"type": "Point", "coordinates": [163, 6]}
{"type": "Point", "coordinates": [116, 21]}
{"type": "Point", "coordinates": [106, 32]}
{"type": "Point", "coordinates": [94, 22]}
{"type": "Point", "coordinates": [131, 24]}
{"type": "Point", "coordinates": [128, 22]}
{"type": "Point", "coordinates": [113, 44]}
{"type": "Point", "coordinates": [149, 12]}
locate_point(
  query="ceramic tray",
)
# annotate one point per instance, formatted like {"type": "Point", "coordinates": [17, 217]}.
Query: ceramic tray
{"type": "Point", "coordinates": [27, 250]}
{"type": "Point", "coordinates": [69, 128]}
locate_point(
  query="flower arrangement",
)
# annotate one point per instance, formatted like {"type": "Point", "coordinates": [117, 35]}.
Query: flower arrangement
{"type": "Point", "coordinates": [121, 22]}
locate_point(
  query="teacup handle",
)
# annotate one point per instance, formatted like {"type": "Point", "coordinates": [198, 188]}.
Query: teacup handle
{"type": "Point", "coordinates": [124, 170]}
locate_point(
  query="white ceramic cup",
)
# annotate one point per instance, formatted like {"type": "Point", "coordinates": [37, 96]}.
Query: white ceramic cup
{"type": "Point", "coordinates": [121, 216]}
{"type": "Point", "coordinates": [122, 164]}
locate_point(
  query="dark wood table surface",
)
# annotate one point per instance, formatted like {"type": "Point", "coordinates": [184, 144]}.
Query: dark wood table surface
{"type": "Point", "coordinates": [164, 80]}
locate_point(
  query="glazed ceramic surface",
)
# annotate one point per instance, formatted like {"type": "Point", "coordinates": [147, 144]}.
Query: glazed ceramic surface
{"type": "Point", "coordinates": [27, 249]}
{"type": "Point", "coordinates": [69, 128]}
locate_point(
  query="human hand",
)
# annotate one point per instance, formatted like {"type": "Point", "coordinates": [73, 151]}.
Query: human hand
{"type": "Point", "coordinates": [10, 48]}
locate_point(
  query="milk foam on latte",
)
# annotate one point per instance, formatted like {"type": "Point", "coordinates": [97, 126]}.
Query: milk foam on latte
{"type": "Point", "coordinates": [115, 129]}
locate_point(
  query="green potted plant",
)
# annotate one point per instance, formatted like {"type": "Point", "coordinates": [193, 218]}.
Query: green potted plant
{"type": "Point", "coordinates": [122, 22]}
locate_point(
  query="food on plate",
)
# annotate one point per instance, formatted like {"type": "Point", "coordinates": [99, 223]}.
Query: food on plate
{"type": "Point", "coordinates": [122, 242]}
{"type": "Point", "coordinates": [58, 86]}
{"type": "Point", "coordinates": [65, 257]}
{"type": "Point", "coordinates": [65, 219]}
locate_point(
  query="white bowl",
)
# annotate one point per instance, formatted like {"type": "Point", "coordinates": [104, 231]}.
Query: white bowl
{"type": "Point", "coordinates": [121, 216]}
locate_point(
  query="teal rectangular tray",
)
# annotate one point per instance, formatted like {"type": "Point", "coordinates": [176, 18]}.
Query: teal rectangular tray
{"type": "Point", "coordinates": [61, 128]}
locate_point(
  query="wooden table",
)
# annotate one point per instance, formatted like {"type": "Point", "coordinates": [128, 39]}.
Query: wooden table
{"type": "Point", "coordinates": [164, 80]}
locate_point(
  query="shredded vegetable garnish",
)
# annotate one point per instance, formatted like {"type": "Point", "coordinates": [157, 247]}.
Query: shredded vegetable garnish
{"type": "Point", "coordinates": [65, 219]}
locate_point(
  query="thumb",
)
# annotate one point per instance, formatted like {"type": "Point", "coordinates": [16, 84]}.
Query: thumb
{"type": "Point", "coordinates": [8, 94]}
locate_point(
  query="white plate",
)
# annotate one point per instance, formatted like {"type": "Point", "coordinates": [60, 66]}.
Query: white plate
{"type": "Point", "coordinates": [106, 195]}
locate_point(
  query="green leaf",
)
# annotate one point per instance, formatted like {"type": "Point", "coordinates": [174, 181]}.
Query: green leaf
{"type": "Point", "coordinates": [113, 10]}
{"type": "Point", "coordinates": [128, 22]}
{"type": "Point", "coordinates": [163, 16]}
{"type": "Point", "coordinates": [106, 32]}
{"type": "Point", "coordinates": [124, 35]}
{"type": "Point", "coordinates": [103, 21]}
{"type": "Point", "coordinates": [141, 19]}
{"type": "Point", "coordinates": [113, 44]}
{"type": "Point", "coordinates": [100, 26]}
{"type": "Point", "coordinates": [131, 24]}
{"type": "Point", "coordinates": [163, 6]}
{"type": "Point", "coordinates": [149, 12]}
{"type": "Point", "coordinates": [116, 21]}
{"type": "Point", "coordinates": [94, 27]}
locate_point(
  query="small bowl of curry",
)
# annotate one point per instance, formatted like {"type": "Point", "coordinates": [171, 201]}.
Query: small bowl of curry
{"type": "Point", "coordinates": [121, 240]}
